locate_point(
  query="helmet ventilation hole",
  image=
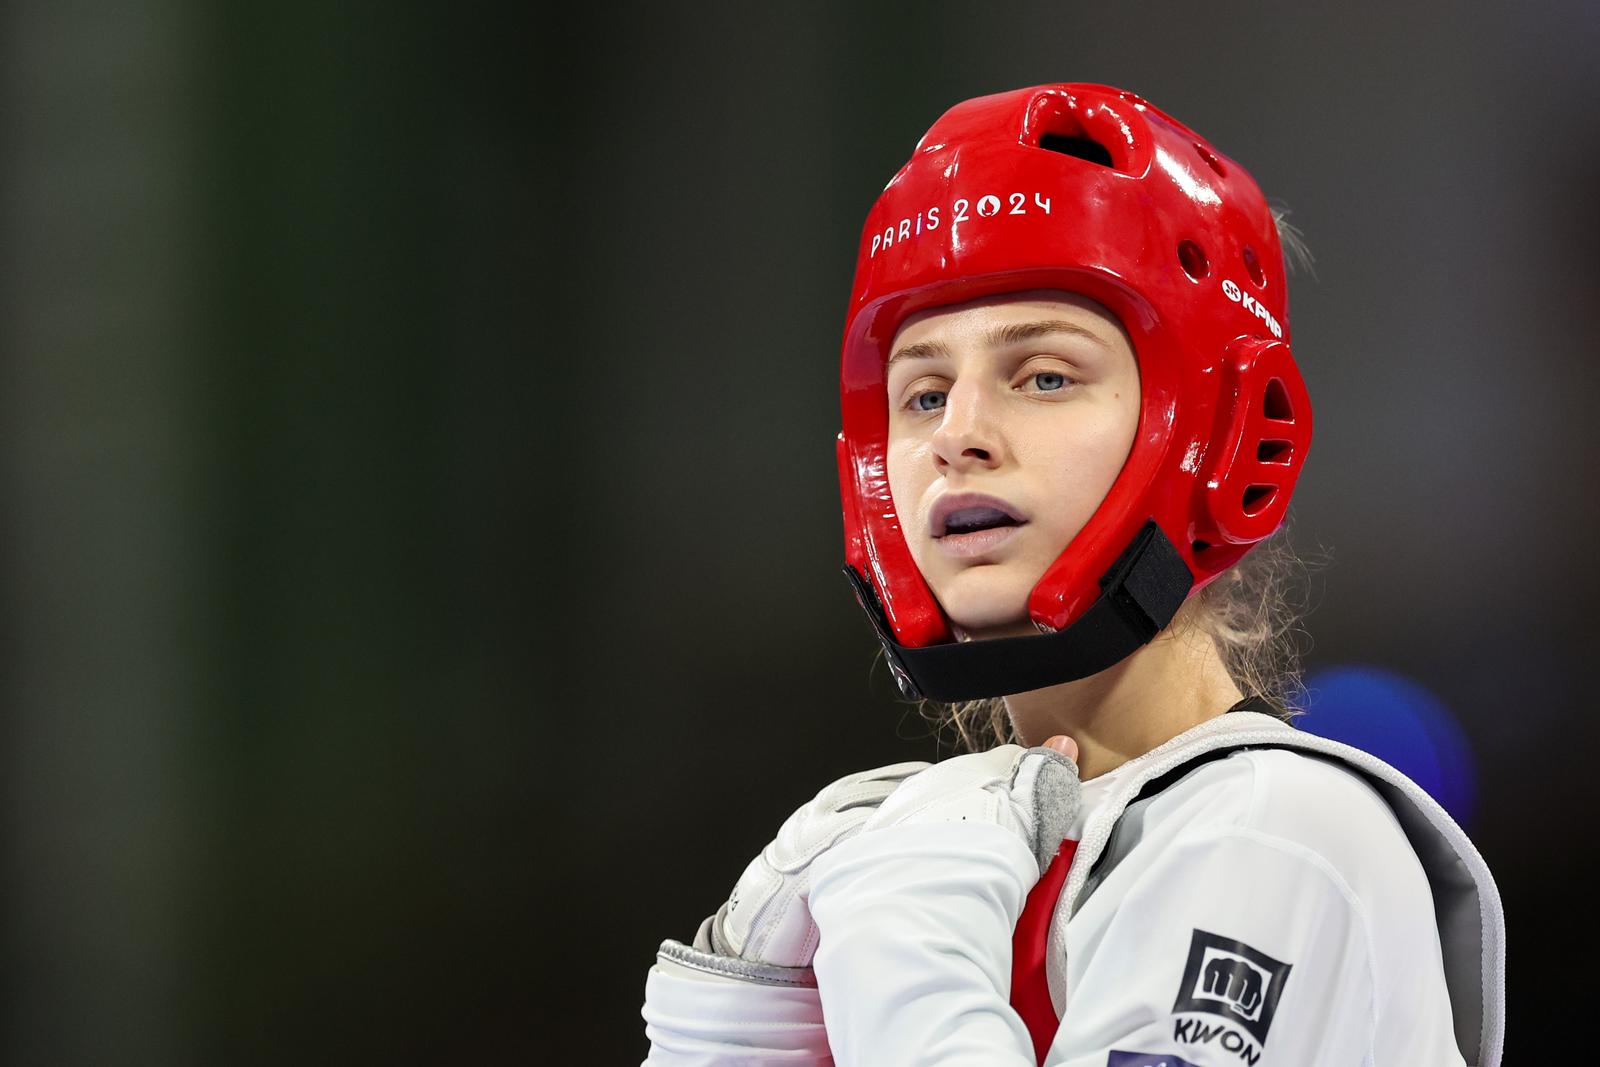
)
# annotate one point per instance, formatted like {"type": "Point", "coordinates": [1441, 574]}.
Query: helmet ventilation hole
{"type": "Point", "coordinates": [1211, 160]}
{"type": "Point", "coordinates": [1194, 261]}
{"type": "Point", "coordinates": [1275, 404]}
{"type": "Point", "coordinates": [1078, 147]}
{"type": "Point", "coordinates": [1272, 451]}
{"type": "Point", "coordinates": [1252, 266]}
{"type": "Point", "coordinates": [1258, 497]}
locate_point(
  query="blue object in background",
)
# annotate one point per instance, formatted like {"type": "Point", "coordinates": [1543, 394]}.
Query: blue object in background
{"type": "Point", "coordinates": [1400, 722]}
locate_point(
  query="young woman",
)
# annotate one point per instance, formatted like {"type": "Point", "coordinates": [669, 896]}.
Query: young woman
{"type": "Point", "coordinates": [1070, 410]}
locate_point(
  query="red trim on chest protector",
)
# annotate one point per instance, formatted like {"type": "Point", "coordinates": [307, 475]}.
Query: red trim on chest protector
{"type": "Point", "coordinates": [1030, 988]}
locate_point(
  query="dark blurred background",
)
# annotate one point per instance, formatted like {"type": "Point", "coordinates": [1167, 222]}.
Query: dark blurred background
{"type": "Point", "coordinates": [420, 534]}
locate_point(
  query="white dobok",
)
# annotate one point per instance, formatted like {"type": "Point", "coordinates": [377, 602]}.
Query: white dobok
{"type": "Point", "coordinates": [1245, 894]}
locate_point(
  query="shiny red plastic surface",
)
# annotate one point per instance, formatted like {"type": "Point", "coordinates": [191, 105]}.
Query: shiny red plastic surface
{"type": "Point", "coordinates": [1030, 984]}
{"type": "Point", "coordinates": [1175, 239]}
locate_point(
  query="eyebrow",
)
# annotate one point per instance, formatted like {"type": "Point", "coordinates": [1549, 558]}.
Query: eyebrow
{"type": "Point", "coordinates": [999, 337]}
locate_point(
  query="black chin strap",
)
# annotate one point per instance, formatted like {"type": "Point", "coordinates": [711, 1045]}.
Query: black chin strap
{"type": "Point", "coordinates": [1139, 596]}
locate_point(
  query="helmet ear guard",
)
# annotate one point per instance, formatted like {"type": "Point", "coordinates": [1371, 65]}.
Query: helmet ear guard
{"type": "Point", "coordinates": [1264, 421]}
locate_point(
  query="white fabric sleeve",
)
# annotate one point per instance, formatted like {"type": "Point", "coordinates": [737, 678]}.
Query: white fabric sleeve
{"type": "Point", "coordinates": [1234, 947]}
{"type": "Point", "coordinates": [696, 1019]}
{"type": "Point", "coordinates": [914, 962]}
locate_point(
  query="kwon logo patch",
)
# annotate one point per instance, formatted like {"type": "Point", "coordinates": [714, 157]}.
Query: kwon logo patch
{"type": "Point", "coordinates": [1233, 980]}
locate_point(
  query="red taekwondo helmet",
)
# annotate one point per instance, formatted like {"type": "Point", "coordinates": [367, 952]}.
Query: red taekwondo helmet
{"type": "Point", "coordinates": [1090, 189]}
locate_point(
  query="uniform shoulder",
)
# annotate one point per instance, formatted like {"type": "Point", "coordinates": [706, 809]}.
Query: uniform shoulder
{"type": "Point", "coordinates": [1286, 797]}
{"type": "Point", "coordinates": [1247, 785]}
{"type": "Point", "coordinates": [1297, 787]}
{"type": "Point", "coordinates": [1315, 802]}
{"type": "Point", "coordinates": [1293, 797]}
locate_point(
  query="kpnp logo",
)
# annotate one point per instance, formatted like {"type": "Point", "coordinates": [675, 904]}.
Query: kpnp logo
{"type": "Point", "coordinates": [1233, 980]}
{"type": "Point", "coordinates": [1233, 291]}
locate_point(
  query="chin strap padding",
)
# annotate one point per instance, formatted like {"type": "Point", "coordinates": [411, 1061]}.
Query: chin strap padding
{"type": "Point", "coordinates": [1139, 595]}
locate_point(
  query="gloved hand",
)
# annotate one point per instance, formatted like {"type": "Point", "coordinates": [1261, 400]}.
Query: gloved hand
{"type": "Point", "coordinates": [744, 991]}
{"type": "Point", "coordinates": [1032, 792]}
{"type": "Point", "coordinates": [916, 911]}
{"type": "Point", "coordinates": [766, 919]}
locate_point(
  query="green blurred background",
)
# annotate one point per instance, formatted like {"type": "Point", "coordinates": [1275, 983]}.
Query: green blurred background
{"type": "Point", "coordinates": [420, 532]}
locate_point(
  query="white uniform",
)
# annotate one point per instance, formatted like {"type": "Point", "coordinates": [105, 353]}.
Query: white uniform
{"type": "Point", "coordinates": [1267, 908]}
{"type": "Point", "coordinates": [1257, 906]}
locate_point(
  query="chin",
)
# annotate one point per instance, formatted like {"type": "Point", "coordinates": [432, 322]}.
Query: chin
{"type": "Point", "coordinates": [990, 612]}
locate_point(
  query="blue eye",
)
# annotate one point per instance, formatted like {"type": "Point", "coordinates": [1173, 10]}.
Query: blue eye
{"type": "Point", "coordinates": [919, 403]}
{"type": "Point", "coordinates": [1050, 381]}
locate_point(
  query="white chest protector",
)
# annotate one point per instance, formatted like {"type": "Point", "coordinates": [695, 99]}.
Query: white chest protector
{"type": "Point", "coordinates": [1247, 880]}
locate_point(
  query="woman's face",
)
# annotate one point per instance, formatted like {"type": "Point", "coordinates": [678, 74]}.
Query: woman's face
{"type": "Point", "coordinates": [1009, 418]}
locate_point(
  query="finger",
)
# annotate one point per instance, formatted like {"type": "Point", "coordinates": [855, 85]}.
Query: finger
{"type": "Point", "coordinates": [1065, 745]}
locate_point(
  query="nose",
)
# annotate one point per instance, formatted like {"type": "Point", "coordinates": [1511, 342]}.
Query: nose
{"type": "Point", "coordinates": [967, 437]}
